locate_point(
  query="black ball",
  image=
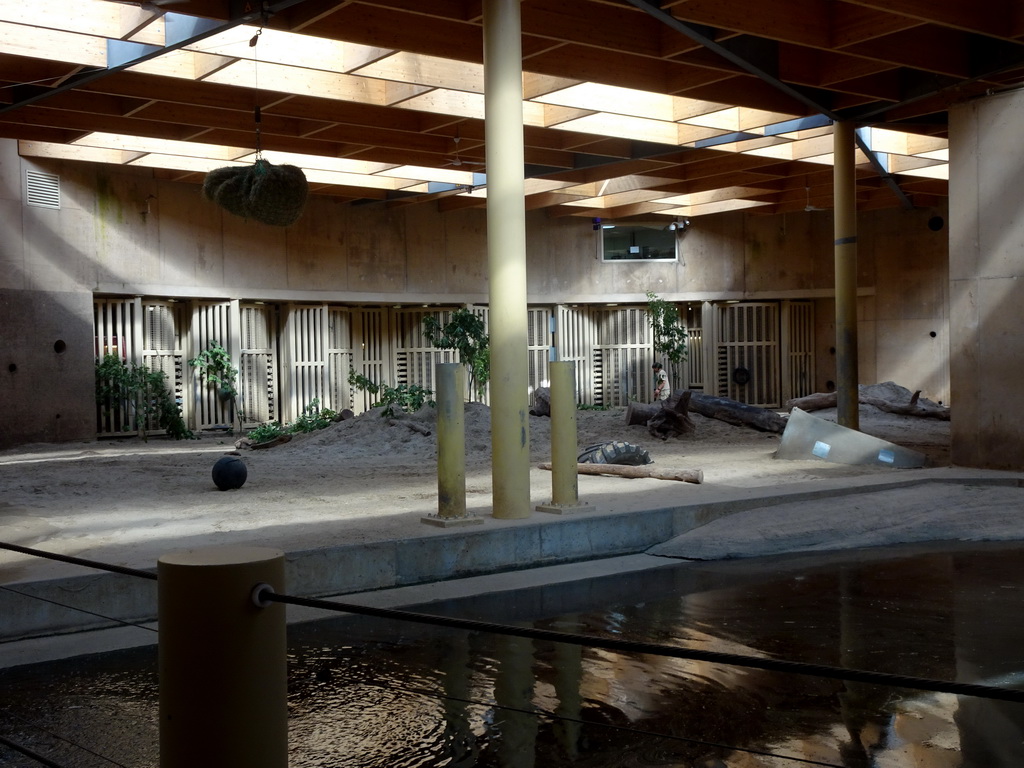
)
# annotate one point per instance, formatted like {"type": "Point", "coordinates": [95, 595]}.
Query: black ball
{"type": "Point", "coordinates": [229, 473]}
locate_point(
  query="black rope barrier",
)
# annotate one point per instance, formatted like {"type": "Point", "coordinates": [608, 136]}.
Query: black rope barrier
{"type": "Point", "coordinates": [79, 610]}
{"type": "Point", "coordinates": [690, 654]}
{"type": "Point", "coordinates": [79, 561]}
{"type": "Point", "coordinates": [65, 739]}
{"type": "Point", "coordinates": [29, 753]}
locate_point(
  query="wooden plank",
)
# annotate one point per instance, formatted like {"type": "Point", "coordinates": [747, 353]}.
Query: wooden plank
{"type": "Point", "coordinates": [992, 17]}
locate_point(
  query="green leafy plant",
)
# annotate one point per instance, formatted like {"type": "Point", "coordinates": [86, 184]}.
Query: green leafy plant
{"type": "Point", "coordinates": [266, 432]}
{"type": "Point", "coordinates": [670, 334]}
{"type": "Point", "coordinates": [588, 407]}
{"type": "Point", "coordinates": [313, 417]}
{"type": "Point", "coordinates": [141, 394]}
{"type": "Point", "coordinates": [213, 365]}
{"type": "Point", "coordinates": [406, 397]}
{"type": "Point", "coordinates": [465, 333]}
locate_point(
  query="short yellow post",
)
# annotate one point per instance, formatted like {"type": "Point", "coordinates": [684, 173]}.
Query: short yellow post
{"type": "Point", "coordinates": [450, 381]}
{"type": "Point", "coordinates": [564, 477]}
{"type": "Point", "coordinates": [223, 659]}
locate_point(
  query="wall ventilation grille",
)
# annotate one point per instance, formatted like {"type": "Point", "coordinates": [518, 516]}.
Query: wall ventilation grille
{"type": "Point", "coordinates": [43, 190]}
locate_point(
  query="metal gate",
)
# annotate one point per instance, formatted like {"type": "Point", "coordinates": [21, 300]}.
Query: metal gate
{"type": "Point", "coordinates": [371, 351]}
{"type": "Point", "coordinates": [304, 357]}
{"type": "Point", "coordinates": [622, 355]}
{"type": "Point", "coordinates": [797, 349]}
{"type": "Point", "coordinates": [538, 347]}
{"type": "Point", "coordinates": [747, 353]}
{"type": "Point", "coordinates": [118, 327]}
{"type": "Point", "coordinates": [574, 337]}
{"type": "Point", "coordinates": [257, 369]}
{"type": "Point", "coordinates": [415, 357]}
{"type": "Point", "coordinates": [162, 348]}
{"type": "Point", "coordinates": [211, 322]}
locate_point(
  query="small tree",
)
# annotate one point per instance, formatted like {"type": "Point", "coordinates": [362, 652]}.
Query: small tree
{"type": "Point", "coordinates": [466, 334]}
{"type": "Point", "coordinates": [141, 395]}
{"type": "Point", "coordinates": [214, 366]}
{"type": "Point", "coordinates": [670, 335]}
{"type": "Point", "coordinates": [406, 397]}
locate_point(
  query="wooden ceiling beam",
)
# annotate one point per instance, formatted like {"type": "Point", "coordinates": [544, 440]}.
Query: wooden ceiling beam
{"type": "Point", "coordinates": [992, 17]}
{"type": "Point", "coordinates": [929, 49]}
{"type": "Point", "coordinates": [852, 24]}
{"type": "Point", "coordinates": [376, 25]}
{"type": "Point", "coordinates": [805, 22]}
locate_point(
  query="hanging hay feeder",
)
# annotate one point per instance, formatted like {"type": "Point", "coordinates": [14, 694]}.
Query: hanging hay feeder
{"type": "Point", "coordinates": [271, 194]}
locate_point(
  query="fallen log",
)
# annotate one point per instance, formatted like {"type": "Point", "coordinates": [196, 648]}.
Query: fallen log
{"type": "Point", "coordinates": [619, 470]}
{"type": "Point", "coordinates": [279, 440]}
{"type": "Point", "coordinates": [721, 408]}
{"type": "Point", "coordinates": [821, 400]}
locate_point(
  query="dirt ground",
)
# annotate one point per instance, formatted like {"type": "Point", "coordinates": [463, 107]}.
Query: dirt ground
{"type": "Point", "coordinates": [368, 478]}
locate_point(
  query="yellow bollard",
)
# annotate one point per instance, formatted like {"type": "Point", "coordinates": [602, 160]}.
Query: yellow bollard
{"type": "Point", "coordinates": [450, 380]}
{"type": "Point", "coordinates": [564, 477]}
{"type": "Point", "coordinates": [223, 659]}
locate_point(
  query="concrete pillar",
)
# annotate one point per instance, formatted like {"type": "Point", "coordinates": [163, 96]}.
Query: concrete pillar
{"type": "Point", "coordinates": [506, 259]}
{"type": "Point", "coordinates": [986, 281]}
{"type": "Point", "coordinates": [845, 228]}
{"type": "Point", "coordinates": [223, 659]}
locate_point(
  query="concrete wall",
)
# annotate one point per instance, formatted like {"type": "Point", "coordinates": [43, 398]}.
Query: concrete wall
{"type": "Point", "coordinates": [985, 281]}
{"type": "Point", "coordinates": [127, 232]}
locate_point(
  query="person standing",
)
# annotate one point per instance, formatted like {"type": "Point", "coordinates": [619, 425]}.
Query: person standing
{"type": "Point", "coordinates": [661, 386]}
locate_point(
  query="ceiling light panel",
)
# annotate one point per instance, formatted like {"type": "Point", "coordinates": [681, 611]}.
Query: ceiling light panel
{"type": "Point", "coordinates": [427, 70]}
{"type": "Point", "coordinates": [609, 98]}
{"type": "Point", "coordinates": [179, 163]}
{"type": "Point", "coordinates": [161, 146]}
{"type": "Point", "coordinates": [86, 17]}
{"type": "Point", "coordinates": [54, 45]}
{"type": "Point", "coordinates": [277, 47]}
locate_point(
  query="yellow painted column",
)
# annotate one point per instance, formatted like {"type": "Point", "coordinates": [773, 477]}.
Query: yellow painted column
{"type": "Point", "coordinates": [506, 259]}
{"type": "Point", "coordinates": [451, 440]}
{"type": "Point", "coordinates": [222, 659]}
{"type": "Point", "coordinates": [845, 231]}
{"type": "Point", "coordinates": [565, 495]}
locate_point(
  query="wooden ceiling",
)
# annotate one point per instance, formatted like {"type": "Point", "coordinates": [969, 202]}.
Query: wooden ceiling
{"type": "Point", "coordinates": [729, 104]}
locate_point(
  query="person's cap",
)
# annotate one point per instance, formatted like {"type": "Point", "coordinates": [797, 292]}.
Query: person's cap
{"type": "Point", "coordinates": [656, 365]}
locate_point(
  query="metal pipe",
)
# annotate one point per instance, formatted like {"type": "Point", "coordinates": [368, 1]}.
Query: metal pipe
{"type": "Point", "coordinates": [506, 259]}
{"type": "Point", "coordinates": [222, 659]}
{"type": "Point", "coordinates": [845, 231]}
{"type": "Point", "coordinates": [451, 440]}
{"type": "Point", "coordinates": [564, 478]}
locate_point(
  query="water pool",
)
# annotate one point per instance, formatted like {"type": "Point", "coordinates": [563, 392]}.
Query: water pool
{"type": "Point", "coordinates": [366, 692]}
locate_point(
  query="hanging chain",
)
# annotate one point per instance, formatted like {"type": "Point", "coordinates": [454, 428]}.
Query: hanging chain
{"type": "Point", "coordinates": [256, 81]}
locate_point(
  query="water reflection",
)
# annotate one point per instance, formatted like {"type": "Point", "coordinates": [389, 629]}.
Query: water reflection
{"type": "Point", "coordinates": [363, 692]}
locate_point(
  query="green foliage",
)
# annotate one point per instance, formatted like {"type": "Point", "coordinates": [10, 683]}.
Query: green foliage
{"type": "Point", "coordinates": [214, 366]}
{"type": "Point", "coordinates": [362, 383]}
{"type": "Point", "coordinates": [266, 432]}
{"type": "Point", "coordinates": [313, 417]}
{"type": "Point", "coordinates": [670, 335]}
{"type": "Point", "coordinates": [588, 407]}
{"type": "Point", "coordinates": [406, 397]}
{"type": "Point", "coordinates": [466, 334]}
{"type": "Point", "coordinates": [141, 394]}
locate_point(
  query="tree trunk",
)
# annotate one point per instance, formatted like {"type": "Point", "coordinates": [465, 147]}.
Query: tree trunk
{"type": "Point", "coordinates": [821, 400]}
{"type": "Point", "coordinates": [619, 470]}
{"type": "Point", "coordinates": [723, 409]}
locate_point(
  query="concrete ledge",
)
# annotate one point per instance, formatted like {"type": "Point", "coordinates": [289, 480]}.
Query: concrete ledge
{"type": "Point", "coordinates": [434, 555]}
